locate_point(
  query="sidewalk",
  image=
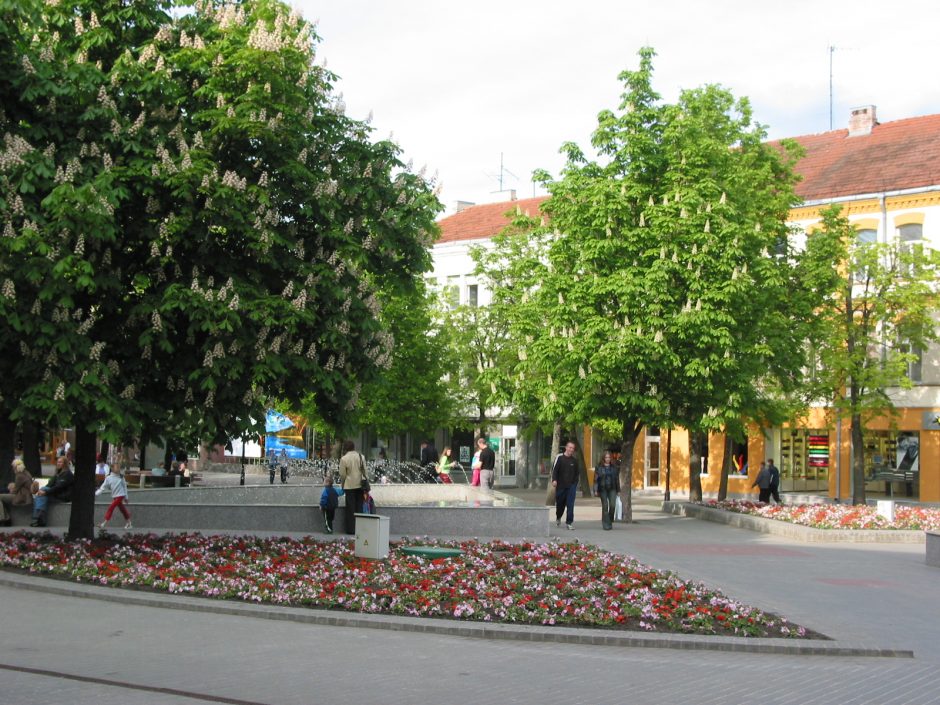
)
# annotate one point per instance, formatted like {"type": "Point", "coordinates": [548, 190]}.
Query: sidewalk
{"type": "Point", "coordinates": [866, 596]}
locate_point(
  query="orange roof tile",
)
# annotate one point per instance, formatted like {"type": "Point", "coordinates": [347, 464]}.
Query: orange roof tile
{"type": "Point", "coordinates": [896, 155]}
{"type": "Point", "coordinates": [486, 220]}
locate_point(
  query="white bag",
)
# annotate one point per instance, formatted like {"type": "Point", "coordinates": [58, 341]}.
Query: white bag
{"type": "Point", "coordinates": [618, 509]}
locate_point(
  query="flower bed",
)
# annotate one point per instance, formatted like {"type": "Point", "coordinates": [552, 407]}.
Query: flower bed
{"type": "Point", "coordinates": [569, 584]}
{"type": "Point", "coordinates": [836, 516]}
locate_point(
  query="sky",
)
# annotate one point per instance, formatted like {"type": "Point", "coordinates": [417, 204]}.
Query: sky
{"type": "Point", "coordinates": [466, 86]}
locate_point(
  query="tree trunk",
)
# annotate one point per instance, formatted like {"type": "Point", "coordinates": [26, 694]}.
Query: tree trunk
{"type": "Point", "coordinates": [105, 447]}
{"type": "Point", "coordinates": [583, 483]}
{"type": "Point", "coordinates": [144, 442]}
{"type": "Point", "coordinates": [7, 447]}
{"type": "Point", "coordinates": [631, 430]}
{"type": "Point", "coordinates": [725, 468]}
{"type": "Point", "coordinates": [82, 518]}
{"type": "Point", "coordinates": [32, 434]}
{"type": "Point", "coordinates": [523, 476]}
{"type": "Point", "coordinates": [858, 460]}
{"type": "Point", "coordinates": [696, 445]}
{"type": "Point", "coordinates": [556, 449]}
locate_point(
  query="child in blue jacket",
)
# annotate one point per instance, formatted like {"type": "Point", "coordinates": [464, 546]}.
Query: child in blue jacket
{"type": "Point", "coordinates": [329, 500]}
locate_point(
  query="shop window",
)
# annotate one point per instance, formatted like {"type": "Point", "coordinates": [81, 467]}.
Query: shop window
{"type": "Point", "coordinates": [892, 462]}
{"type": "Point", "coordinates": [804, 459]}
{"type": "Point", "coordinates": [739, 463]}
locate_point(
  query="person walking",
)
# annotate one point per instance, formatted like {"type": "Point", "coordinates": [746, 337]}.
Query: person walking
{"type": "Point", "coordinates": [565, 482]}
{"type": "Point", "coordinates": [116, 485]}
{"type": "Point", "coordinates": [762, 483]}
{"type": "Point", "coordinates": [352, 476]}
{"type": "Point", "coordinates": [272, 465]}
{"type": "Point", "coordinates": [282, 465]}
{"type": "Point", "coordinates": [607, 487]}
{"type": "Point", "coordinates": [444, 466]}
{"type": "Point", "coordinates": [774, 480]}
{"type": "Point", "coordinates": [475, 466]}
{"type": "Point", "coordinates": [487, 464]}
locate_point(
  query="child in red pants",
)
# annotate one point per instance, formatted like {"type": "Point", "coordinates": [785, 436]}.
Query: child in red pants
{"type": "Point", "coordinates": [115, 484]}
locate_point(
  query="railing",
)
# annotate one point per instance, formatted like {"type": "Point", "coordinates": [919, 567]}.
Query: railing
{"type": "Point", "coordinates": [381, 471]}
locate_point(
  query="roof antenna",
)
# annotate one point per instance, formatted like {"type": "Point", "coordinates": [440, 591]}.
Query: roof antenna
{"type": "Point", "coordinates": [502, 171]}
{"type": "Point", "coordinates": [832, 50]}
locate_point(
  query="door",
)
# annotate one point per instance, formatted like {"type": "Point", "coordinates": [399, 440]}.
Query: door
{"type": "Point", "coordinates": [651, 475]}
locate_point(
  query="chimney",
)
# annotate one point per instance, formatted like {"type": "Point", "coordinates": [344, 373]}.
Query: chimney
{"type": "Point", "coordinates": [862, 120]}
{"type": "Point", "coordinates": [462, 205]}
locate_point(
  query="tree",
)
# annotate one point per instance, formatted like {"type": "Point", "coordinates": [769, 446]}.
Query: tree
{"type": "Point", "coordinates": [411, 395]}
{"type": "Point", "coordinates": [659, 300]}
{"type": "Point", "coordinates": [882, 309]}
{"type": "Point", "coordinates": [192, 223]}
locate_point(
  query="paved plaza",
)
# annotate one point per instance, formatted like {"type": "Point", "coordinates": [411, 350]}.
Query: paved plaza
{"type": "Point", "coordinates": [69, 649]}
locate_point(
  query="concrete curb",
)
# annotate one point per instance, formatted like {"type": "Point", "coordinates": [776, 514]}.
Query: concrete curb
{"type": "Point", "coordinates": [479, 630]}
{"type": "Point", "coordinates": [796, 532]}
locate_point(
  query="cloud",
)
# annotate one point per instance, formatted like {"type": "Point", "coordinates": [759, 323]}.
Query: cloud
{"type": "Point", "coordinates": [462, 83]}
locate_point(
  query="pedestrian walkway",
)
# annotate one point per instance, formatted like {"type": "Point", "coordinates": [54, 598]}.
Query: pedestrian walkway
{"type": "Point", "coordinates": [867, 595]}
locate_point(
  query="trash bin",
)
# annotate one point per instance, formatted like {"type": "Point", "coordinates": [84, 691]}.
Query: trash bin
{"type": "Point", "coordinates": [371, 536]}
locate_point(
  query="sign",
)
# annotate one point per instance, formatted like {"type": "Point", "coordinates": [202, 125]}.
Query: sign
{"type": "Point", "coordinates": [931, 421]}
{"type": "Point", "coordinates": [464, 454]}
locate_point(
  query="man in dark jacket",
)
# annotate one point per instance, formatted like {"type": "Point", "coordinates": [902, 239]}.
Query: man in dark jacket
{"type": "Point", "coordinates": [429, 459]}
{"type": "Point", "coordinates": [59, 488]}
{"type": "Point", "coordinates": [565, 482]}
{"type": "Point", "coordinates": [774, 480]}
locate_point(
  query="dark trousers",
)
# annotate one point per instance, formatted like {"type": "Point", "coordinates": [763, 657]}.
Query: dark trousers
{"type": "Point", "coordinates": [774, 491]}
{"type": "Point", "coordinates": [353, 505]}
{"type": "Point", "coordinates": [564, 499]}
{"type": "Point", "coordinates": [763, 495]}
{"type": "Point", "coordinates": [328, 516]}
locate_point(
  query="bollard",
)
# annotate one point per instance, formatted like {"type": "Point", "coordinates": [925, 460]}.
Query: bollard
{"type": "Point", "coordinates": [885, 508]}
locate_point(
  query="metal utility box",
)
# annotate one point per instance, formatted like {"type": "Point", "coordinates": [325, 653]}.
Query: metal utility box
{"type": "Point", "coordinates": [371, 536]}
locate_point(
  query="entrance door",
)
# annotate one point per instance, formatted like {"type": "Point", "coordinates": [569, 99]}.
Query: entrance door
{"type": "Point", "coordinates": [651, 476]}
{"type": "Point", "coordinates": [508, 459]}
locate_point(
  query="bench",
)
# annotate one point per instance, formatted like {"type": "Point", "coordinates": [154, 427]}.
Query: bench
{"type": "Point", "coordinates": [889, 477]}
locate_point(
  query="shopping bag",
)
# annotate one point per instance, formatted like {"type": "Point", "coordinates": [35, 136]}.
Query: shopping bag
{"type": "Point", "coordinates": [618, 509]}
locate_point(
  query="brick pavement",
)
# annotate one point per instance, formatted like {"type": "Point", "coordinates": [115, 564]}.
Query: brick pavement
{"type": "Point", "coordinates": [867, 595]}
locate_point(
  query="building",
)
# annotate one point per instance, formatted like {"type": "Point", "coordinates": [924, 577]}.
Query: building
{"type": "Point", "coordinates": [887, 179]}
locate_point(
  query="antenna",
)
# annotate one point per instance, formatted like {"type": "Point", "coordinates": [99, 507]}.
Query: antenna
{"type": "Point", "coordinates": [502, 171]}
{"type": "Point", "coordinates": [832, 50]}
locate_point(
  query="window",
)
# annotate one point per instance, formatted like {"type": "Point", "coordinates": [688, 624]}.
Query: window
{"type": "Point", "coordinates": [911, 240]}
{"type": "Point", "coordinates": [915, 366]}
{"type": "Point", "coordinates": [864, 238]}
{"type": "Point", "coordinates": [472, 294]}
{"type": "Point", "coordinates": [452, 292]}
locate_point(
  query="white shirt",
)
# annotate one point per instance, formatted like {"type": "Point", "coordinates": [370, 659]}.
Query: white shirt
{"type": "Point", "coordinates": [115, 484]}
